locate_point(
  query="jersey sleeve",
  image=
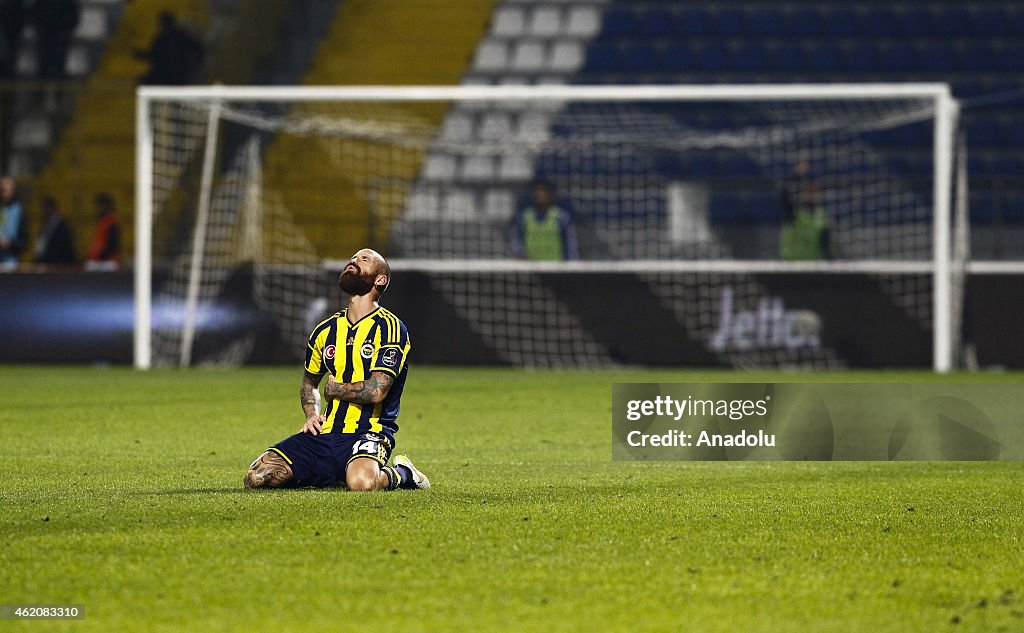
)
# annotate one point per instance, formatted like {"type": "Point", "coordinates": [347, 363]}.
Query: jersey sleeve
{"type": "Point", "coordinates": [391, 355]}
{"type": "Point", "coordinates": [315, 351]}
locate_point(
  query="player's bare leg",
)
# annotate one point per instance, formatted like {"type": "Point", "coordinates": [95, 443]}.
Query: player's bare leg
{"type": "Point", "coordinates": [270, 470]}
{"type": "Point", "coordinates": [364, 474]}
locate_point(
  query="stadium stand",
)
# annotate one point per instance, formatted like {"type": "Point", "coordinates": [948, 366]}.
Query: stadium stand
{"type": "Point", "coordinates": [449, 31]}
{"type": "Point", "coordinates": [974, 47]}
{"type": "Point", "coordinates": [95, 150]}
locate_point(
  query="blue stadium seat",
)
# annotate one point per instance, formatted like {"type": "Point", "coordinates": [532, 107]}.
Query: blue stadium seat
{"type": "Point", "coordinates": [738, 166]}
{"type": "Point", "coordinates": [802, 22]}
{"type": "Point", "coordinates": [879, 22]}
{"type": "Point", "coordinates": [763, 22]}
{"type": "Point", "coordinates": [899, 56]}
{"type": "Point", "coordinates": [1006, 166]}
{"type": "Point", "coordinates": [656, 22]}
{"type": "Point", "coordinates": [1013, 132]}
{"type": "Point", "coordinates": [840, 21]}
{"type": "Point", "coordinates": [1011, 206]}
{"type": "Point", "coordinates": [787, 56]}
{"type": "Point", "coordinates": [712, 56]}
{"type": "Point", "coordinates": [914, 21]}
{"type": "Point", "coordinates": [990, 20]}
{"type": "Point", "coordinates": [729, 21]}
{"type": "Point", "coordinates": [602, 56]}
{"type": "Point", "coordinates": [937, 56]}
{"type": "Point", "coordinates": [982, 131]}
{"type": "Point", "coordinates": [676, 56]}
{"type": "Point", "coordinates": [618, 22]}
{"type": "Point", "coordinates": [690, 22]}
{"type": "Point", "coordinates": [982, 207]}
{"type": "Point", "coordinates": [1010, 56]}
{"type": "Point", "coordinates": [760, 206]}
{"type": "Point", "coordinates": [824, 56]}
{"type": "Point", "coordinates": [696, 166]}
{"type": "Point", "coordinates": [950, 21]}
{"type": "Point", "coordinates": [750, 56]}
{"type": "Point", "coordinates": [638, 56]}
{"type": "Point", "coordinates": [860, 56]}
{"type": "Point", "coordinates": [724, 206]}
{"type": "Point", "coordinates": [975, 55]}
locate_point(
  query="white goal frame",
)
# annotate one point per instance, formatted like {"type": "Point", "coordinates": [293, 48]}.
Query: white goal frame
{"type": "Point", "coordinates": [946, 114]}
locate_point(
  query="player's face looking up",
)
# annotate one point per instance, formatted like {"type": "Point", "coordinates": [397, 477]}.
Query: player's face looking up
{"type": "Point", "coordinates": [365, 271]}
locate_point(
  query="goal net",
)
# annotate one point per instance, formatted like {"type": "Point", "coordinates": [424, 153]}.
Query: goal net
{"type": "Point", "coordinates": [751, 226]}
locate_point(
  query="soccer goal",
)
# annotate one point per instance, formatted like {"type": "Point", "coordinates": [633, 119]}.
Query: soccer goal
{"type": "Point", "coordinates": [751, 226]}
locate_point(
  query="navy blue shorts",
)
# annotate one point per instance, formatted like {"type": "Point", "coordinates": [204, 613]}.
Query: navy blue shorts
{"type": "Point", "coordinates": [321, 460]}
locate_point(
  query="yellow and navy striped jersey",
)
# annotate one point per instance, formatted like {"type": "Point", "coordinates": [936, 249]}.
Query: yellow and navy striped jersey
{"type": "Point", "coordinates": [351, 352]}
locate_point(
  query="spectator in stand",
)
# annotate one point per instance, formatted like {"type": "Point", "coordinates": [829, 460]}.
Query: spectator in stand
{"type": "Point", "coordinates": [55, 244]}
{"type": "Point", "coordinates": [174, 55]}
{"type": "Point", "coordinates": [13, 225]}
{"type": "Point", "coordinates": [12, 22]}
{"type": "Point", "coordinates": [805, 231]}
{"type": "Point", "coordinates": [55, 22]}
{"type": "Point", "coordinates": [106, 242]}
{"type": "Point", "coordinates": [544, 231]}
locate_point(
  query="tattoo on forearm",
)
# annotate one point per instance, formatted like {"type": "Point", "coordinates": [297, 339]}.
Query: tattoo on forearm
{"type": "Point", "coordinates": [309, 394]}
{"type": "Point", "coordinates": [269, 471]}
{"type": "Point", "coordinates": [369, 391]}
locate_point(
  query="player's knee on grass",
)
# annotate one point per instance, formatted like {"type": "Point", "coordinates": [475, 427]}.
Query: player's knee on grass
{"type": "Point", "coordinates": [270, 470]}
{"type": "Point", "coordinates": [364, 474]}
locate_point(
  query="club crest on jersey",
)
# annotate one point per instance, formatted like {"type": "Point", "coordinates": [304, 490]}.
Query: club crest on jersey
{"type": "Point", "coordinates": [366, 350]}
{"type": "Point", "coordinates": [390, 357]}
{"type": "Point", "coordinates": [329, 351]}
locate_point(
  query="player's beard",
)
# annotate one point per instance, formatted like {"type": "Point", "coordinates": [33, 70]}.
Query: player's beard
{"type": "Point", "coordinates": [354, 283]}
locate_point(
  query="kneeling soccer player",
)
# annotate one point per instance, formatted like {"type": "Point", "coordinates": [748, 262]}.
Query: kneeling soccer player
{"type": "Point", "coordinates": [364, 349]}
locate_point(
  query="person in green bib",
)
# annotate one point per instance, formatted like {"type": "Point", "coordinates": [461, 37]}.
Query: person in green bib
{"type": "Point", "coordinates": [805, 230]}
{"type": "Point", "coordinates": [543, 231]}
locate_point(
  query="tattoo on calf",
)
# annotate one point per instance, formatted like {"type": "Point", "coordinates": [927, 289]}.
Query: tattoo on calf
{"type": "Point", "coordinates": [270, 470]}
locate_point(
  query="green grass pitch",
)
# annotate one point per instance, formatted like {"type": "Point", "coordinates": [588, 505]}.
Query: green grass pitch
{"type": "Point", "coordinates": [123, 491]}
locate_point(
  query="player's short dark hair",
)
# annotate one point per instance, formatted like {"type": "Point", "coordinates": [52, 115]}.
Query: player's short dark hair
{"type": "Point", "coordinates": [542, 183]}
{"type": "Point", "coordinates": [104, 201]}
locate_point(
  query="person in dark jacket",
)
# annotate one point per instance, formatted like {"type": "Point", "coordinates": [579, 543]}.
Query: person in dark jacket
{"type": "Point", "coordinates": [174, 55]}
{"type": "Point", "coordinates": [106, 242]}
{"type": "Point", "coordinates": [55, 244]}
{"type": "Point", "coordinates": [55, 22]}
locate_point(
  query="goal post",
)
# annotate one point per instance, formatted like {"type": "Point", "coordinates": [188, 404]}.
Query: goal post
{"type": "Point", "coordinates": [604, 145]}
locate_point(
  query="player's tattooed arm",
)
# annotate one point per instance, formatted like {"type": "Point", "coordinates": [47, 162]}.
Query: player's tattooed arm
{"type": "Point", "coordinates": [309, 398]}
{"type": "Point", "coordinates": [370, 391]}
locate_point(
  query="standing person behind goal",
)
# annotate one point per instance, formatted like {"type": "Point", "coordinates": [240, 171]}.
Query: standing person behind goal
{"type": "Point", "coordinates": [544, 231]}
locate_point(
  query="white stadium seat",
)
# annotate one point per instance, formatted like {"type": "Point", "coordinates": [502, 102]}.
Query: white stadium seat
{"type": "Point", "coordinates": [528, 57]}
{"type": "Point", "coordinates": [458, 126]}
{"type": "Point", "coordinates": [93, 24]}
{"type": "Point", "coordinates": [478, 168]}
{"type": "Point", "coordinates": [566, 57]}
{"type": "Point", "coordinates": [495, 126]}
{"type": "Point", "coordinates": [439, 167]}
{"type": "Point", "coordinates": [491, 56]}
{"type": "Point", "coordinates": [508, 22]}
{"type": "Point", "coordinates": [499, 204]}
{"type": "Point", "coordinates": [583, 21]}
{"type": "Point", "coordinates": [546, 21]}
